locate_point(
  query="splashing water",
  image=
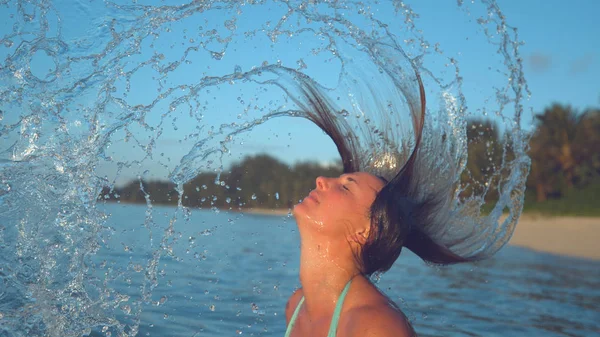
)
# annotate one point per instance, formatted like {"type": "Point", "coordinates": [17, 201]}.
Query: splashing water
{"type": "Point", "coordinates": [95, 91]}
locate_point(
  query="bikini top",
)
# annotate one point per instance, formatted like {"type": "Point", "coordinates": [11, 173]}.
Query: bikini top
{"type": "Point", "coordinates": [334, 319]}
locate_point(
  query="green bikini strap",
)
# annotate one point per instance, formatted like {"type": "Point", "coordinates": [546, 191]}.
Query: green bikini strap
{"type": "Point", "coordinates": [338, 311]}
{"type": "Point", "coordinates": [288, 332]}
{"type": "Point", "coordinates": [334, 319]}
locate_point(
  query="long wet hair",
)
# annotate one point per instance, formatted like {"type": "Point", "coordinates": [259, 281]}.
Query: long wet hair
{"type": "Point", "coordinates": [402, 214]}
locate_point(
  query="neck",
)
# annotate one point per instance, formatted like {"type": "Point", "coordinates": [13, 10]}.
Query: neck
{"type": "Point", "coordinates": [325, 269]}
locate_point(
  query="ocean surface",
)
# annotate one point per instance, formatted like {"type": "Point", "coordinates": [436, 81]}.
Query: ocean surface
{"type": "Point", "coordinates": [230, 274]}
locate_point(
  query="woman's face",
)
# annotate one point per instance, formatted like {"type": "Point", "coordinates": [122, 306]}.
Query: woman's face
{"type": "Point", "coordinates": [340, 204]}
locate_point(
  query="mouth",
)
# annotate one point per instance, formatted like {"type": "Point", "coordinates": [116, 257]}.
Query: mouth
{"type": "Point", "coordinates": [313, 196]}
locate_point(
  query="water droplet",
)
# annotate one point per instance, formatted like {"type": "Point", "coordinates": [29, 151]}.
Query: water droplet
{"type": "Point", "coordinates": [217, 55]}
{"type": "Point", "coordinates": [301, 64]}
{"type": "Point", "coordinates": [126, 309]}
{"type": "Point", "coordinates": [277, 195]}
{"type": "Point", "coordinates": [253, 196]}
{"type": "Point", "coordinates": [230, 24]}
{"type": "Point", "coordinates": [212, 307]}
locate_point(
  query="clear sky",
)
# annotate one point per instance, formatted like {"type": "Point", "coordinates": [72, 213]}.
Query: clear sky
{"type": "Point", "coordinates": [561, 48]}
{"type": "Point", "coordinates": [561, 57]}
{"type": "Point", "coordinates": [561, 51]}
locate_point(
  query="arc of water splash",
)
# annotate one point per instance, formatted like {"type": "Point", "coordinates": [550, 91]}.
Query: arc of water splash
{"type": "Point", "coordinates": [111, 56]}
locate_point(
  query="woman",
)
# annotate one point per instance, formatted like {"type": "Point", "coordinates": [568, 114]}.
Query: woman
{"type": "Point", "coordinates": [334, 224]}
{"type": "Point", "coordinates": [355, 225]}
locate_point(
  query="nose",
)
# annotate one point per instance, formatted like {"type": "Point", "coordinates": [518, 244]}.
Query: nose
{"type": "Point", "coordinates": [321, 183]}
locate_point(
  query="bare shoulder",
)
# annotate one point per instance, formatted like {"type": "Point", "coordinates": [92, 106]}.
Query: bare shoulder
{"type": "Point", "coordinates": [292, 303]}
{"type": "Point", "coordinates": [377, 320]}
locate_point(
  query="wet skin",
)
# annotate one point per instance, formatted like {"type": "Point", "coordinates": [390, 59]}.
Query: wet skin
{"type": "Point", "coordinates": [334, 222]}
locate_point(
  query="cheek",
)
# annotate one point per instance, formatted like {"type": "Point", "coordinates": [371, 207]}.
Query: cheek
{"type": "Point", "coordinates": [335, 218]}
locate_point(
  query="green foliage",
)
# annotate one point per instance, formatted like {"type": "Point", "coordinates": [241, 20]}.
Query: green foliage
{"type": "Point", "coordinates": [565, 170]}
{"type": "Point", "coordinates": [564, 150]}
{"type": "Point", "coordinates": [577, 202]}
{"type": "Point", "coordinates": [484, 159]}
{"type": "Point", "coordinates": [157, 192]}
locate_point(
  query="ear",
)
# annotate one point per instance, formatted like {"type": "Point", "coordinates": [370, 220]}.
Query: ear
{"type": "Point", "coordinates": [360, 236]}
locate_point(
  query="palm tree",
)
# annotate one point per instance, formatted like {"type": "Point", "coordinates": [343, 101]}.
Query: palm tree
{"type": "Point", "coordinates": [588, 144]}
{"type": "Point", "coordinates": [554, 147]}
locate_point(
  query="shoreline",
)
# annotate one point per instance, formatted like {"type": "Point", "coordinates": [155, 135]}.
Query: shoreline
{"type": "Point", "coordinates": [562, 235]}
{"type": "Point", "coordinates": [266, 211]}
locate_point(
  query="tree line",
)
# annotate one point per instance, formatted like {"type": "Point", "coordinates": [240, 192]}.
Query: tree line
{"type": "Point", "coordinates": [259, 181]}
{"type": "Point", "coordinates": [564, 150]}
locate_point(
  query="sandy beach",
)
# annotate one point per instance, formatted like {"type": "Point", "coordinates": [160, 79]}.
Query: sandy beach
{"type": "Point", "coordinates": [570, 236]}
{"type": "Point", "coordinates": [266, 211]}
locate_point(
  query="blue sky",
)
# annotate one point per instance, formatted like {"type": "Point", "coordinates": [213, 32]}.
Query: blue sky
{"type": "Point", "coordinates": [561, 51]}
{"type": "Point", "coordinates": [561, 58]}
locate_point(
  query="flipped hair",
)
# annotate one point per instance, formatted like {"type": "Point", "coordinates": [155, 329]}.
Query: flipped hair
{"type": "Point", "coordinates": [402, 211]}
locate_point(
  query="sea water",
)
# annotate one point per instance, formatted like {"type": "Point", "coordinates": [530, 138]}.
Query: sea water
{"type": "Point", "coordinates": [232, 274]}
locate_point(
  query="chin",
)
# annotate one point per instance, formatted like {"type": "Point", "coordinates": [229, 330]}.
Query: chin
{"type": "Point", "coordinates": [301, 209]}
{"type": "Point", "coordinates": [298, 209]}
